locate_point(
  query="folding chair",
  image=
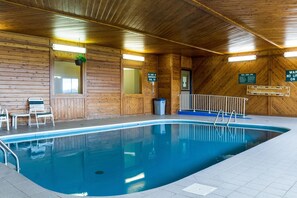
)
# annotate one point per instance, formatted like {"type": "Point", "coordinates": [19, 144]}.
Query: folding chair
{"type": "Point", "coordinates": [4, 116]}
{"type": "Point", "coordinates": [37, 109]}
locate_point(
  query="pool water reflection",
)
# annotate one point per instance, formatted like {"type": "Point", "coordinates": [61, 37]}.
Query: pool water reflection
{"type": "Point", "coordinates": [130, 160]}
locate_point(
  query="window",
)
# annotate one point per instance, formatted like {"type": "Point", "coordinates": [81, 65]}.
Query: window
{"type": "Point", "coordinates": [185, 80]}
{"type": "Point", "coordinates": [132, 81]}
{"type": "Point", "coordinates": [67, 78]}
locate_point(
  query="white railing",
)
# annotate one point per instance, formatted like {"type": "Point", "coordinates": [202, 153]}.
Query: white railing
{"type": "Point", "coordinates": [212, 103]}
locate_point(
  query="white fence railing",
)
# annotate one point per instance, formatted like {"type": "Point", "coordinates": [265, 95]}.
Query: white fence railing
{"type": "Point", "coordinates": [212, 103]}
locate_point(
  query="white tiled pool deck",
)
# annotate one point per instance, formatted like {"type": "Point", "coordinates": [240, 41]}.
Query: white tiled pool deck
{"type": "Point", "coordinates": [268, 170]}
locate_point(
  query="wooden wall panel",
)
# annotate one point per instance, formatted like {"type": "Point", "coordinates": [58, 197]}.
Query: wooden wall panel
{"type": "Point", "coordinates": [284, 106]}
{"type": "Point", "coordinates": [141, 103]}
{"type": "Point", "coordinates": [165, 78]}
{"type": "Point", "coordinates": [103, 78]}
{"type": "Point", "coordinates": [169, 81]}
{"type": "Point", "coordinates": [24, 70]}
{"type": "Point", "coordinates": [216, 76]}
{"type": "Point", "coordinates": [150, 90]}
{"type": "Point", "coordinates": [69, 108]}
{"type": "Point", "coordinates": [133, 104]}
{"type": "Point", "coordinates": [175, 86]}
{"type": "Point", "coordinates": [186, 62]}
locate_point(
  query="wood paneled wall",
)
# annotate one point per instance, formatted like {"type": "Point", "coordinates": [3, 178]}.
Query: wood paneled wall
{"type": "Point", "coordinates": [186, 62]}
{"type": "Point", "coordinates": [164, 79]}
{"type": "Point", "coordinates": [214, 75]}
{"type": "Point", "coordinates": [133, 104]}
{"type": "Point", "coordinates": [103, 78]}
{"type": "Point", "coordinates": [24, 70]}
{"type": "Point", "coordinates": [175, 83]}
{"type": "Point", "coordinates": [68, 108]}
{"type": "Point", "coordinates": [150, 90]}
{"type": "Point", "coordinates": [283, 106]}
{"type": "Point", "coordinates": [169, 81]}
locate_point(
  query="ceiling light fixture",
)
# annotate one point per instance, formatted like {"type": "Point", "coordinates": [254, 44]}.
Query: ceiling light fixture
{"type": "Point", "coordinates": [133, 57]}
{"type": "Point", "coordinates": [67, 48]}
{"type": "Point", "coordinates": [242, 58]}
{"type": "Point", "coordinates": [290, 54]}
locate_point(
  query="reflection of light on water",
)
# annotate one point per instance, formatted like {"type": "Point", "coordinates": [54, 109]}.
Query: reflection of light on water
{"type": "Point", "coordinates": [212, 133]}
{"type": "Point", "coordinates": [137, 177]}
{"type": "Point", "coordinates": [152, 153]}
{"type": "Point", "coordinates": [136, 187]}
{"type": "Point", "coordinates": [130, 153]}
{"type": "Point", "coordinates": [83, 194]}
{"type": "Point", "coordinates": [159, 129]}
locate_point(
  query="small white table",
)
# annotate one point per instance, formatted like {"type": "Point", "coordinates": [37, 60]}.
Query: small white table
{"type": "Point", "coordinates": [15, 116]}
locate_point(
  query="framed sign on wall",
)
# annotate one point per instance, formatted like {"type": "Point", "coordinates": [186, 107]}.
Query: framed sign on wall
{"type": "Point", "coordinates": [249, 78]}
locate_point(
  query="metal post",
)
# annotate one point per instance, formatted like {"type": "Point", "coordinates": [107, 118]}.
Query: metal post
{"type": "Point", "coordinates": [226, 107]}
{"type": "Point", "coordinates": [209, 104]}
{"type": "Point", "coordinates": [4, 155]}
{"type": "Point", "coordinates": [244, 108]}
{"type": "Point", "coordinates": [194, 102]}
{"type": "Point", "coordinates": [180, 102]}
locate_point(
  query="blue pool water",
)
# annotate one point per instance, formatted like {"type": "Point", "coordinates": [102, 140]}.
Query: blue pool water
{"type": "Point", "coordinates": [130, 160]}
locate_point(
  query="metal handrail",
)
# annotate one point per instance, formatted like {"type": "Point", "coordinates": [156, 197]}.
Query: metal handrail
{"type": "Point", "coordinates": [5, 155]}
{"type": "Point", "coordinates": [231, 117]}
{"type": "Point", "coordinates": [5, 148]}
{"type": "Point", "coordinates": [221, 111]}
{"type": "Point", "coordinates": [212, 103]}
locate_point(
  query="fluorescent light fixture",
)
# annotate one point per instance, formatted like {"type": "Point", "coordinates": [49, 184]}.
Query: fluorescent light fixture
{"type": "Point", "coordinates": [135, 178]}
{"type": "Point", "coordinates": [242, 58]}
{"type": "Point", "coordinates": [67, 48]}
{"type": "Point", "coordinates": [290, 54]}
{"type": "Point", "coordinates": [133, 57]}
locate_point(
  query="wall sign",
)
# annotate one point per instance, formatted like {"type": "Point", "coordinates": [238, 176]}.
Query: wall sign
{"type": "Point", "coordinates": [263, 90]}
{"type": "Point", "coordinates": [247, 78]}
{"type": "Point", "coordinates": [152, 77]}
{"type": "Point", "coordinates": [291, 75]}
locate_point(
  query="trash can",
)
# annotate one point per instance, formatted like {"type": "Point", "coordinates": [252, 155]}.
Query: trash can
{"type": "Point", "coordinates": [159, 106]}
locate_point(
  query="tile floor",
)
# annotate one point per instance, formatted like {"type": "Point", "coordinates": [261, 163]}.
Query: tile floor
{"type": "Point", "coordinates": [268, 170]}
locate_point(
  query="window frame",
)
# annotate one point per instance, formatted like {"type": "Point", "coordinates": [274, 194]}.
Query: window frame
{"type": "Point", "coordinates": [140, 80]}
{"type": "Point", "coordinates": [82, 73]}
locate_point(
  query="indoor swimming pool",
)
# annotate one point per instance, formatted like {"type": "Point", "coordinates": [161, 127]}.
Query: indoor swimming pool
{"type": "Point", "coordinates": [123, 161]}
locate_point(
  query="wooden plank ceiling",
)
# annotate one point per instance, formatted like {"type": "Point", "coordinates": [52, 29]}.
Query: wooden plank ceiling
{"type": "Point", "coordinates": [188, 27]}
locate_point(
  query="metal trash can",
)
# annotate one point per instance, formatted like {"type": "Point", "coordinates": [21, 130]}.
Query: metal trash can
{"type": "Point", "coordinates": [159, 106]}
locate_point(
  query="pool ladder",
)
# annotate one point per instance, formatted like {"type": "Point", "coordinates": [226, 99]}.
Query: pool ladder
{"type": "Point", "coordinates": [7, 150]}
{"type": "Point", "coordinates": [222, 112]}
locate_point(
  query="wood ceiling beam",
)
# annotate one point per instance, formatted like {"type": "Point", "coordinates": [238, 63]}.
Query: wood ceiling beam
{"type": "Point", "coordinates": [64, 14]}
{"type": "Point", "coordinates": [211, 11]}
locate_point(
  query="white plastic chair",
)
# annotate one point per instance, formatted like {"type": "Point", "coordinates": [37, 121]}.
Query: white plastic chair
{"type": "Point", "coordinates": [4, 116]}
{"type": "Point", "coordinates": [37, 109]}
